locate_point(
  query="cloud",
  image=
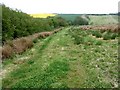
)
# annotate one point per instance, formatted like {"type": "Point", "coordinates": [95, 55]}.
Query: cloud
{"type": "Point", "coordinates": [64, 6]}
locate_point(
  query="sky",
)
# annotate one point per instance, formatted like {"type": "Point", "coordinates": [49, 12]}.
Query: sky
{"type": "Point", "coordinates": [64, 6]}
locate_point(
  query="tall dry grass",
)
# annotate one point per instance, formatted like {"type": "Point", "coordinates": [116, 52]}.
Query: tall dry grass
{"type": "Point", "coordinates": [16, 46]}
{"type": "Point", "coordinates": [19, 45]}
{"type": "Point", "coordinates": [22, 44]}
{"type": "Point", "coordinates": [7, 51]}
{"type": "Point", "coordinates": [113, 28]}
{"type": "Point", "coordinates": [45, 34]}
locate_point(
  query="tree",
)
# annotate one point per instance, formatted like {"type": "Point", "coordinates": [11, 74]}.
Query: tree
{"type": "Point", "coordinates": [80, 21]}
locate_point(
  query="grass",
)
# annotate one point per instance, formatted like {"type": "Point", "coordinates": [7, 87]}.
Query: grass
{"type": "Point", "coordinates": [71, 58]}
{"type": "Point", "coordinates": [108, 35]}
{"type": "Point", "coordinates": [93, 57]}
{"type": "Point", "coordinates": [103, 20]}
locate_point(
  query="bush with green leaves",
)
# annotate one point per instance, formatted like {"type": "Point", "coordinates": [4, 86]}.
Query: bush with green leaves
{"type": "Point", "coordinates": [17, 24]}
{"type": "Point", "coordinates": [80, 21]}
{"type": "Point", "coordinates": [113, 35]}
{"type": "Point", "coordinates": [96, 33]}
{"type": "Point", "coordinates": [98, 42]}
{"type": "Point", "coordinates": [109, 35]}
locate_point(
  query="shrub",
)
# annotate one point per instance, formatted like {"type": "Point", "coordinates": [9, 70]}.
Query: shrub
{"type": "Point", "coordinates": [78, 40]}
{"type": "Point", "coordinates": [57, 30]}
{"type": "Point", "coordinates": [88, 40]}
{"type": "Point", "coordinates": [98, 42]}
{"type": "Point", "coordinates": [22, 44]}
{"type": "Point", "coordinates": [109, 35]}
{"type": "Point", "coordinates": [97, 34]}
{"type": "Point", "coordinates": [29, 43]}
{"type": "Point", "coordinates": [35, 41]}
{"type": "Point", "coordinates": [102, 31]}
{"type": "Point", "coordinates": [34, 36]}
{"type": "Point", "coordinates": [7, 51]}
{"type": "Point", "coordinates": [80, 21]}
{"type": "Point", "coordinates": [106, 36]}
{"type": "Point", "coordinates": [44, 34]}
{"type": "Point", "coordinates": [113, 35]}
{"type": "Point", "coordinates": [17, 24]}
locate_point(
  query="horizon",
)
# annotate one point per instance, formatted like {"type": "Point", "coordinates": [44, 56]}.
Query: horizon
{"type": "Point", "coordinates": [79, 13]}
{"type": "Point", "coordinates": [63, 7]}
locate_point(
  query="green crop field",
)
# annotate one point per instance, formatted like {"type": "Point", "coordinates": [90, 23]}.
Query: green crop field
{"type": "Point", "coordinates": [94, 19]}
{"type": "Point", "coordinates": [68, 17]}
{"type": "Point", "coordinates": [103, 20]}
{"type": "Point", "coordinates": [71, 58]}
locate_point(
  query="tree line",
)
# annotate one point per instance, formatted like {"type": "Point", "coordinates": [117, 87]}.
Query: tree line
{"type": "Point", "coordinates": [16, 23]}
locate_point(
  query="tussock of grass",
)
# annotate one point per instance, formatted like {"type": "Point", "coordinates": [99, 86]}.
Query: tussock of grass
{"type": "Point", "coordinates": [7, 51]}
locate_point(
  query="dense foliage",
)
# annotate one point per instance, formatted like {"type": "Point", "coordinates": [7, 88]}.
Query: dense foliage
{"type": "Point", "coordinates": [16, 24]}
{"type": "Point", "coordinates": [81, 21]}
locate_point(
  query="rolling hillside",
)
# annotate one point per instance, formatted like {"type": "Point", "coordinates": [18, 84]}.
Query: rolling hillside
{"type": "Point", "coordinates": [94, 19]}
{"type": "Point", "coordinates": [103, 20]}
{"type": "Point", "coordinates": [68, 17]}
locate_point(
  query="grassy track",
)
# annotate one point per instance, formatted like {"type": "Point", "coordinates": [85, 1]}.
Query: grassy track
{"type": "Point", "coordinates": [65, 60]}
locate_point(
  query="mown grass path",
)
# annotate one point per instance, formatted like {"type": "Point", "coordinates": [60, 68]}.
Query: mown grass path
{"type": "Point", "coordinates": [57, 62]}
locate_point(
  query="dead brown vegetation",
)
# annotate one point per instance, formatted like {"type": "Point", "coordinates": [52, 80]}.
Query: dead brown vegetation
{"type": "Point", "coordinates": [19, 45]}
{"type": "Point", "coordinates": [7, 51]}
{"type": "Point", "coordinates": [57, 30]}
{"type": "Point", "coordinates": [45, 34]}
{"type": "Point", "coordinates": [22, 44]}
{"type": "Point", "coordinates": [113, 28]}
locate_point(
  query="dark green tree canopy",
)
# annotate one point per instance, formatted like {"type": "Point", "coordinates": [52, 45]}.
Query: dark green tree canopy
{"type": "Point", "coordinates": [80, 21]}
{"type": "Point", "coordinates": [17, 24]}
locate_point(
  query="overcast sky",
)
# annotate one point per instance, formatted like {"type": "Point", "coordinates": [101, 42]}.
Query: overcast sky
{"type": "Point", "coordinates": [64, 6]}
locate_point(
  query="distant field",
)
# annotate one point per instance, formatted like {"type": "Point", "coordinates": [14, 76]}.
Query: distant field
{"type": "Point", "coordinates": [105, 19]}
{"type": "Point", "coordinates": [68, 17]}
{"type": "Point", "coordinates": [41, 15]}
{"type": "Point", "coordinates": [94, 19]}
